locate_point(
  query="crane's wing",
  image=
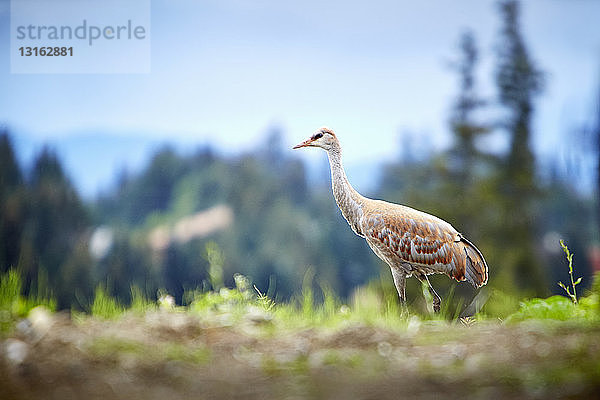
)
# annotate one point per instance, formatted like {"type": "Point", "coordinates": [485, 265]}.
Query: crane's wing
{"type": "Point", "coordinates": [422, 239]}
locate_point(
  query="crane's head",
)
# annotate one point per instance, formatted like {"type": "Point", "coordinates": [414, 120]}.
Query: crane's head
{"type": "Point", "coordinates": [323, 138]}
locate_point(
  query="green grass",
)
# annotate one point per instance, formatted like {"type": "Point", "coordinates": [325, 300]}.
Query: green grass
{"type": "Point", "coordinates": [558, 308]}
{"type": "Point", "coordinates": [367, 337]}
{"type": "Point", "coordinates": [105, 306]}
{"type": "Point", "coordinates": [13, 305]}
{"type": "Point", "coordinates": [140, 303]}
{"type": "Point", "coordinates": [316, 306]}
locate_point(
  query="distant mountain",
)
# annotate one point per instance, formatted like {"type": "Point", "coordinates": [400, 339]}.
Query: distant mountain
{"type": "Point", "coordinates": [93, 160]}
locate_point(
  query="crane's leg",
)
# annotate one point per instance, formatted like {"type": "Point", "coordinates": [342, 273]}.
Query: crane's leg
{"type": "Point", "coordinates": [437, 301]}
{"type": "Point", "coordinates": [400, 282]}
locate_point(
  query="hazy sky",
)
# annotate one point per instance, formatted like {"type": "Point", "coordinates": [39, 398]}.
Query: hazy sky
{"type": "Point", "coordinates": [224, 71]}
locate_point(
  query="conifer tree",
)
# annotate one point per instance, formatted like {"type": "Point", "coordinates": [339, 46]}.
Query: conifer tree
{"type": "Point", "coordinates": [464, 159]}
{"type": "Point", "coordinates": [12, 207]}
{"type": "Point", "coordinates": [57, 223]}
{"type": "Point", "coordinates": [519, 82]}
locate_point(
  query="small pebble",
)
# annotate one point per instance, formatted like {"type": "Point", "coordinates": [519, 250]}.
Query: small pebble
{"type": "Point", "coordinates": [41, 321]}
{"type": "Point", "coordinates": [16, 351]}
{"type": "Point", "coordinates": [384, 349]}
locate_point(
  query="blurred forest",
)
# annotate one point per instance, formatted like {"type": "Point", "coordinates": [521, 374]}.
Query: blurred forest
{"type": "Point", "coordinates": [190, 222]}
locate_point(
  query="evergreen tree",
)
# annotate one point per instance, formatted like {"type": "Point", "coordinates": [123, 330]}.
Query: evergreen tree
{"type": "Point", "coordinates": [12, 205]}
{"type": "Point", "coordinates": [10, 172]}
{"type": "Point", "coordinates": [56, 225]}
{"type": "Point", "coordinates": [465, 163]}
{"type": "Point", "coordinates": [519, 82]}
{"type": "Point", "coordinates": [596, 136]}
{"type": "Point", "coordinates": [465, 128]}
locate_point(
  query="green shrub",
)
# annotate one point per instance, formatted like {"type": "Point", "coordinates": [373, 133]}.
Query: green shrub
{"type": "Point", "coordinates": [557, 308]}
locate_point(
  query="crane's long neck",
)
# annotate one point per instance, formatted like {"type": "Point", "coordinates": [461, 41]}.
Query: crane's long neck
{"type": "Point", "coordinates": [348, 200]}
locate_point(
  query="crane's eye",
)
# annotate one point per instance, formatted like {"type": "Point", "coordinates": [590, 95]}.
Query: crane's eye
{"type": "Point", "coordinates": [318, 136]}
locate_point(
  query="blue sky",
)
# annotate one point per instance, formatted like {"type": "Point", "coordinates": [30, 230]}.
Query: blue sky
{"type": "Point", "coordinates": [223, 72]}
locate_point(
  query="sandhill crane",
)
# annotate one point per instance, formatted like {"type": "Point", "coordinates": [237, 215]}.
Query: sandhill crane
{"type": "Point", "coordinates": [411, 242]}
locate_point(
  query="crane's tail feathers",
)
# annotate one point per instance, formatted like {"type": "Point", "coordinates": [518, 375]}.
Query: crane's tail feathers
{"type": "Point", "coordinates": [476, 269]}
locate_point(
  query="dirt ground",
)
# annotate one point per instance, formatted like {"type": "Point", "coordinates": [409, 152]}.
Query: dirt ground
{"type": "Point", "coordinates": [173, 355]}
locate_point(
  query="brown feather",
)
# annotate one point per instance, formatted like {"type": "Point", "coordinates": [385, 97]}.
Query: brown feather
{"type": "Point", "coordinates": [400, 235]}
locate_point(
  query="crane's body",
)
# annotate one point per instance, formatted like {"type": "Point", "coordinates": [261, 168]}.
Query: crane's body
{"type": "Point", "coordinates": [411, 242]}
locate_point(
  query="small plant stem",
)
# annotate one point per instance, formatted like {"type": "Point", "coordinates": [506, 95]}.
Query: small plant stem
{"type": "Point", "coordinates": [574, 283]}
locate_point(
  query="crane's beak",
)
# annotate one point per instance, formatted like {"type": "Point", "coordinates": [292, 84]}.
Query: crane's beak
{"type": "Point", "coordinates": [306, 143]}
